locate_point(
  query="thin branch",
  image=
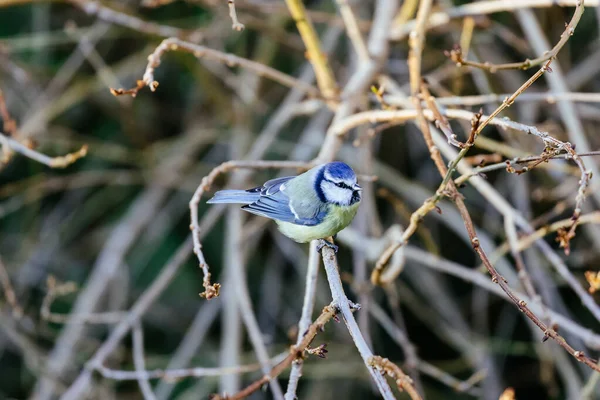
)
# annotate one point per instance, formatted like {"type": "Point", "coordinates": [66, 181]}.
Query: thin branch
{"type": "Point", "coordinates": [236, 25]}
{"type": "Point", "coordinates": [318, 59]}
{"type": "Point", "coordinates": [140, 362]}
{"type": "Point", "coordinates": [549, 332]}
{"type": "Point", "coordinates": [231, 60]}
{"type": "Point", "coordinates": [403, 381]}
{"type": "Point", "coordinates": [52, 162]}
{"type": "Point", "coordinates": [295, 352]}
{"type": "Point", "coordinates": [9, 124]}
{"type": "Point", "coordinates": [92, 7]}
{"type": "Point", "coordinates": [354, 33]}
{"type": "Point", "coordinates": [345, 307]}
{"type": "Point", "coordinates": [308, 306]}
{"type": "Point", "coordinates": [439, 18]}
{"type": "Point", "coordinates": [212, 290]}
{"type": "Point", "coordinates": [57, 289]}
{"type": "Point", "coordinates": [548, 97]}
{"type": "Point", "coordinates": [9, 292]}
{"type": "Point", "coordinates": [176, 374]}
{"type": "Point", "coordinates": [456, 54]}
{"type": "Point", "coordinates": [79, 386]}
{"type": "Point", "coordinates": [526, 241]}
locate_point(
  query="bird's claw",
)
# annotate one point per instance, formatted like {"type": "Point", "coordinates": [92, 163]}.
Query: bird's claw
{"type": "Point", "coordinates": [323, 243]}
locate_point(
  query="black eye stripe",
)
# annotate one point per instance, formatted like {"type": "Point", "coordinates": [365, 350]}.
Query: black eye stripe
{"type": "Point", "coordinates": [341, 185]}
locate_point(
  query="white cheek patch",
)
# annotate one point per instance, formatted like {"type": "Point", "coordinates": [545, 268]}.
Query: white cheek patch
{"type": "Point", "coordinates": [335, 194]}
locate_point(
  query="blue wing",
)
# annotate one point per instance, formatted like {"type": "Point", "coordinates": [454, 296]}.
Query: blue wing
{"type": "Point", "coordinates": [275, 204]}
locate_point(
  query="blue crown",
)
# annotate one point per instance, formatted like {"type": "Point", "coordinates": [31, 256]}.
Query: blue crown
{"type": "Point", "coordinates": [340, 170]}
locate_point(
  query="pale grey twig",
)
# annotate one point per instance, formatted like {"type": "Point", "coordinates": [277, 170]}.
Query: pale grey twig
{"type": "Point", "coordinates": [52, 162]}
{"type": "Point", "coordinates": [241, 296]}
{"type": "Point", "coordinates": [140, 362]}
{"type": "Point", "coordinates": [232, 331]}
{"type": "Point", "coordinates": [181, 373]}
{"type": "Point", "coordinates": [231, 60]}
{"type": "Point", "coordinates": [345, 307]}
{"type": "Point", "coordinates": [475, 100]}
{"type": "Point", "coordinates": [190, 344]}
{"type": "Point", "coordinates": [92, 7]}
{"type": "Point", "coordinates": [439, 18]}
{"type": "Point", "coordinates": [421, 257]}
{"type": "Point", "coordinates": [236, 25]}
{"type": "Point", "coordinates": [81, 384]}
{"type": "Point", "coordinates": [308, 306]}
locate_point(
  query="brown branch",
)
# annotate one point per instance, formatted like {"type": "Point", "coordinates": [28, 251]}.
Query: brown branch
{"type": "Point", "coordinates": [296, 352]}
{"type": "Point", "coordinates": [456, 54]}
{"type": "Point", "coordinates": [549, 332]}
{"type": "Point", "coordinates": [9, 124]}
{"type": "Point", "coordinates": [403, 381]}
{"type": "Point", "coordinates": [9, 292]}
{"type": "Point", "coordinates": [231, 60]}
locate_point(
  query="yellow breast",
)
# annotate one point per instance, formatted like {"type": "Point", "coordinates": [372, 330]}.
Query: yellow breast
{"type": "Point", "coordinates": [336, 219]}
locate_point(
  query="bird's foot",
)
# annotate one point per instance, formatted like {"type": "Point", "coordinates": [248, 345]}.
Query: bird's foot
{"type": "Point", "coordinates": [323, 243]}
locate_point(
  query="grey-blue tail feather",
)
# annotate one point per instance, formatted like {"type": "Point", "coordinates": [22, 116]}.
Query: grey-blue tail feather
{"type": "Point", "coordinates": [234, 197]}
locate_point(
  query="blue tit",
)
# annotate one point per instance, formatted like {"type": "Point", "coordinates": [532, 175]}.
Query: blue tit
{"type": "Point", "coordinates": [314, 205]}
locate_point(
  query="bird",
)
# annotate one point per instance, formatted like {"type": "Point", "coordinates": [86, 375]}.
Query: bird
{"type": "Point", "coordinates": [314, 205]}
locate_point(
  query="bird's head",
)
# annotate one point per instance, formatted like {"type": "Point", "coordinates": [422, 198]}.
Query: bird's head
{"type": "Point", "coordinates": [336, 184]}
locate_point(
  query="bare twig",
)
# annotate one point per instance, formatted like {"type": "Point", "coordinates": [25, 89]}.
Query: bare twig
{"type": "Point", "coordinates": [9, 292]}
{"type": "Point", "coordinates": [175, 44]}
{"type": "Point", "coordinates": [295, 353]}
{"type": "Point", "coordinates": [167, 274]}
{"type": "Point", "coordinates": [176, 374]}
{"type": "Point", "coordinates": [403, 381]}
{"type": "Point", "coordinates": [548, 97]}
{"type": "Point", "coordinates": [212, 290]}
{"type": "Point", "coordinates": [52, 162]}
{"type": "Point", "coordinates": [345, 306]}
{"type": "Point", "coordinates": [351, 24]}
{"type": "Point", "coordinates": [9, 124]}
{"type": "Point", "coordinates": [456, 54]}
{"type": "Point", "coordinates": [439, 18]}
{"type": "Point", "coordinates": [57, 289]}
{"type": "Point", "coordinates": [140, 362]}
{"type": "Point", "coordinates": [236, 25]}
{"type": "Point", "coordinates": [318, 59]}
{"type": "Point", "coordinates": [308, 306]}
{"type": "Point", "coordinates": [92, 7]}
